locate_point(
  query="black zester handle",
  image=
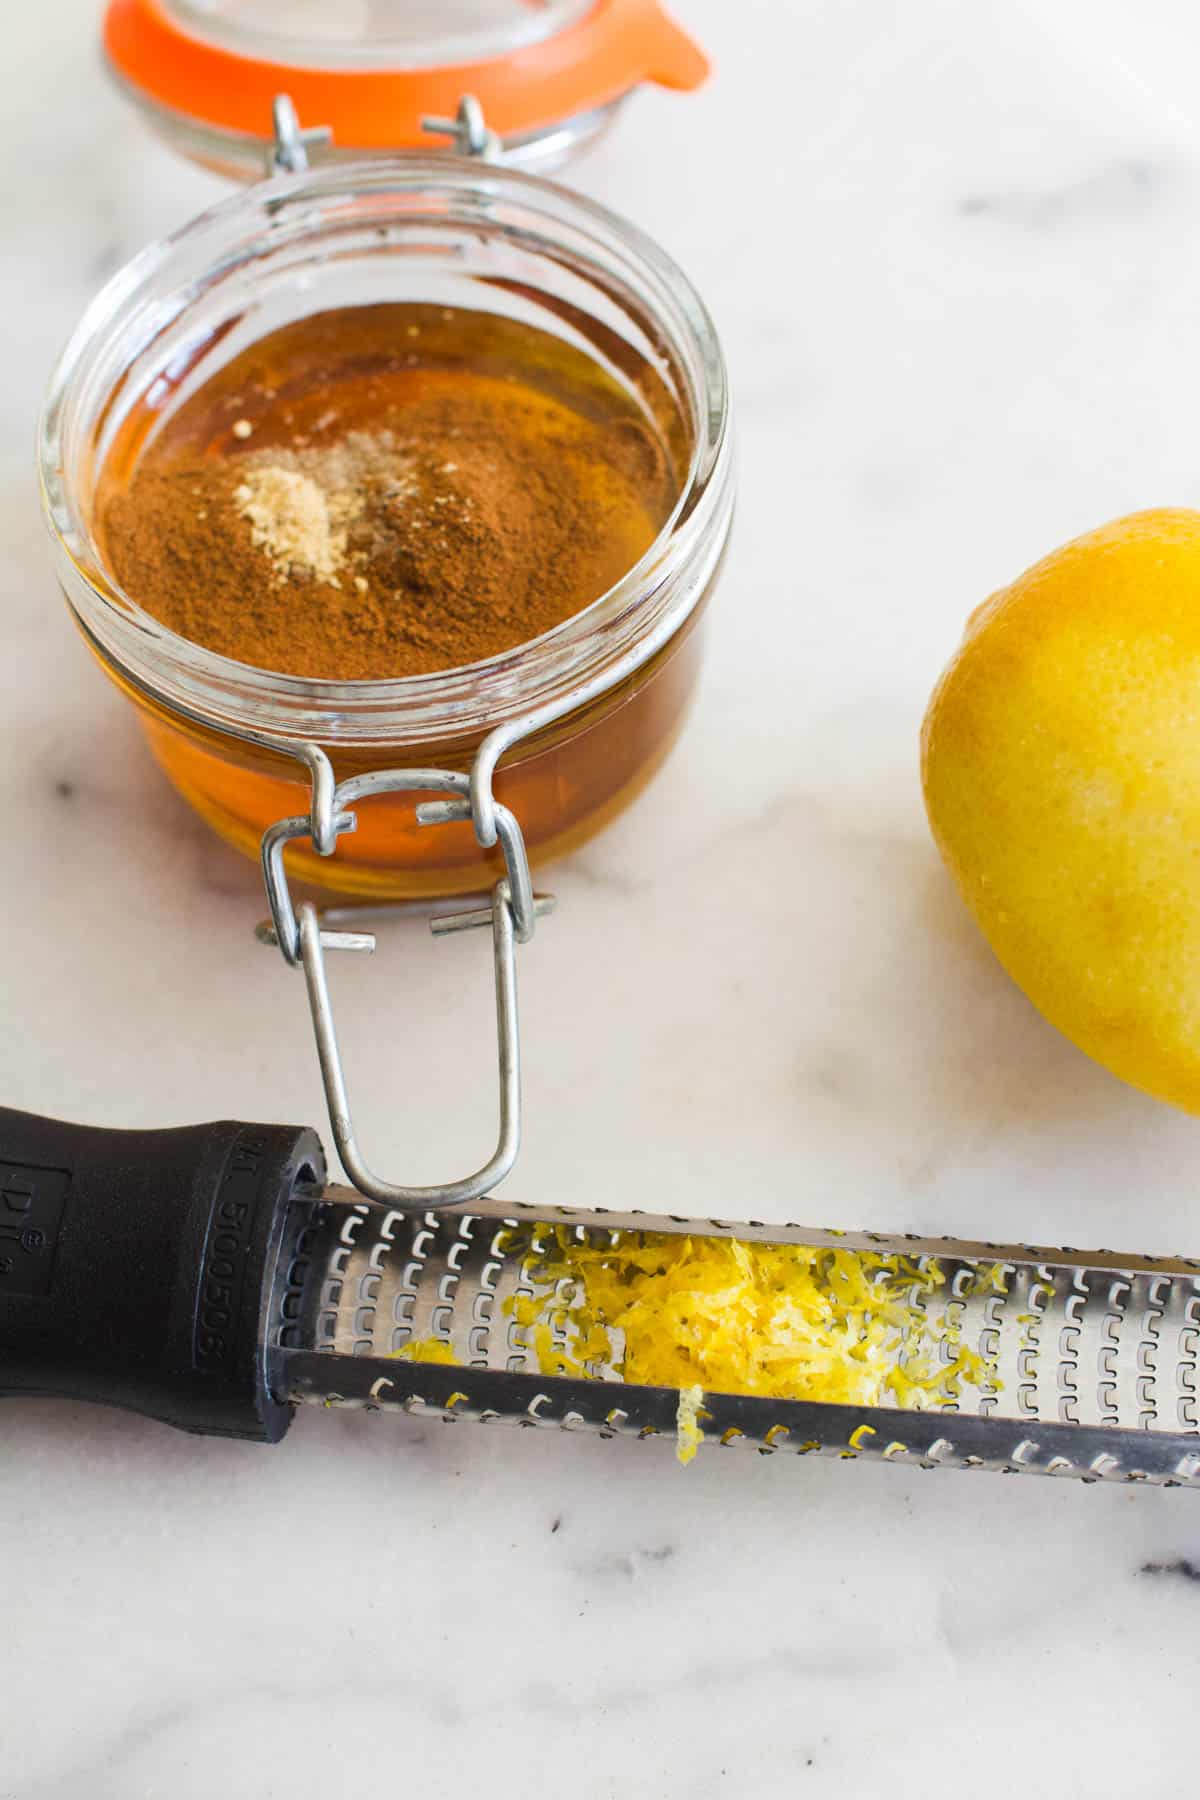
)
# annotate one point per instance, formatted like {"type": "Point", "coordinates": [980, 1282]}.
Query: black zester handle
{"type": "Point", "coordinates": [136, 1266]}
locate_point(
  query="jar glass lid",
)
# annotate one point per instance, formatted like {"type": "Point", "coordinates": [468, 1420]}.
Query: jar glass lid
{"type": "Point", "coordinates": [356, 34]}
{"type": "Point", "coordinates": [207, 71]}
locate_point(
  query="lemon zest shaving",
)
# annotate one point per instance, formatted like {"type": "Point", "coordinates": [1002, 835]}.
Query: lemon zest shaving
{"type": "Point", "coordinates": [688, 1433]}
{"type": "Point", "coordinates": [782, 1321]}
{"type": "Point", "coordinates": [426, 1350]}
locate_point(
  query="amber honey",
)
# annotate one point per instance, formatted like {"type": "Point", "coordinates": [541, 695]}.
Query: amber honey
{"type": "Point", "coordinates": [562, 791]}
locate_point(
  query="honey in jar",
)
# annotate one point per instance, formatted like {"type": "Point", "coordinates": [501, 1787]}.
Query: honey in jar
{"type": "Point", "coordinates": [381, 462]}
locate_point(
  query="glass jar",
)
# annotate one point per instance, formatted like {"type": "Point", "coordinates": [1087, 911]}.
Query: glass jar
{"type": "Point", "coordinates": [550, 76]}
{"type": "Point", "coordinates": [458, 234]}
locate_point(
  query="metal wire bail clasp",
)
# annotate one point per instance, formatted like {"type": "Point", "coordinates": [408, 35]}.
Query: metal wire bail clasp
{"type": "Point", "coordinates": [288, 151]}
{"type": "Point", "coordinates": [304, 939]}
{"type": "Point", "coordinates": [469, 130]}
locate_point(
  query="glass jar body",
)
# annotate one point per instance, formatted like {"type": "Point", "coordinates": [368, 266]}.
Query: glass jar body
{"type": "Point", "coordinates": [563, 785]}
{"type": "Point", "coordinates": [614, 681]}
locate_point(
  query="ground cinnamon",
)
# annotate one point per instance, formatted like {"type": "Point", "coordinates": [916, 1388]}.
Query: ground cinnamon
{"type": "Point", "coordinates": [374, 512]}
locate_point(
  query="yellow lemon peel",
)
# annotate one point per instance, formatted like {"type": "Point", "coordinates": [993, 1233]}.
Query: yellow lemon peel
{"type": "Point", "coordinates": [1061, 768]}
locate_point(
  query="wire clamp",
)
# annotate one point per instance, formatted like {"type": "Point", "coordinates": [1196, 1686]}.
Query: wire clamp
{"type": "Point", "coordinates": [287, 153]}
{"type": "Point", "coordinates": [468, 130]}
{"type": "Point", "coordinates": [303, 935]}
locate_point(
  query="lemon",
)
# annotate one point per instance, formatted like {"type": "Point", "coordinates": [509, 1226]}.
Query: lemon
{"type": "Point", "coordinates": [1061, 767]}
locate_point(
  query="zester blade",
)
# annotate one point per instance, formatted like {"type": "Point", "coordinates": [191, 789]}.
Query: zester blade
{"type": "Point", "coordinates": [1092, 1357]}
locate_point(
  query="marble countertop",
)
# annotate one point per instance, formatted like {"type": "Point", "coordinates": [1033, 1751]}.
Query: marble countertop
{"type": "Point", "coordinates": [953, 253]}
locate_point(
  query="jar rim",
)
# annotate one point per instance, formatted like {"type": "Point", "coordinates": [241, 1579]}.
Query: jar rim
{"type": "Point", "coordinates": [243, 699]}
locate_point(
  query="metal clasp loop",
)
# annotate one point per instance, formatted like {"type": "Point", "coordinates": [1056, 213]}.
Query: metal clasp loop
{"type": "Point", "coordinates": [330, 818]}
{"type": "Point", "coordinates": [313, 943]}
{"type": "Point", "coordinates": [303, 939]}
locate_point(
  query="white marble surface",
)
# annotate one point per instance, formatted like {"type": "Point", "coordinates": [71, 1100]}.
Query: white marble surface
{"type": "Point", "coordinates": [955, 257]}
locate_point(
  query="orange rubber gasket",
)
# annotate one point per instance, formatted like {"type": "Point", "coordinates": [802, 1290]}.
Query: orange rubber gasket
{"type": "Point", "coordinates": [616, 46]}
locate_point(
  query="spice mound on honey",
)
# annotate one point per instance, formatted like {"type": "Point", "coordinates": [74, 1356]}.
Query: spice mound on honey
{"type": "Point", "coordinates": [387, 491]}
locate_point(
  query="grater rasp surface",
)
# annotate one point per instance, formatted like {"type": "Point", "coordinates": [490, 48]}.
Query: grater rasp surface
{"type": "Point", "coordinates": [1095, 1355]}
